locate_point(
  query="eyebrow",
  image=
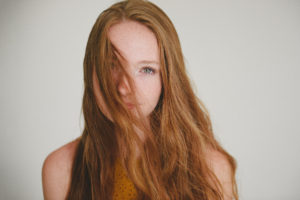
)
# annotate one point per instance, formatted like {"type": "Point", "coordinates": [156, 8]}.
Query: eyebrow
{"type": "Point", "coordinates": [148, 62]}
{"type": "Point", "coordinates": [142, 62]}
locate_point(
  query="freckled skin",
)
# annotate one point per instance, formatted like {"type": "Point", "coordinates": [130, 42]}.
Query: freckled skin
{"type": "Point", "coordinates": [137, 44]}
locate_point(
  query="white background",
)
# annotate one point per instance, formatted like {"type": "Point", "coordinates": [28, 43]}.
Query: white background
{"type": "Point", "coordinates": [242, 56]}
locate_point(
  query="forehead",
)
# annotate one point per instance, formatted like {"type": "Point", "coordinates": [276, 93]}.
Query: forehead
{"type": "Point", "coordinates": [134, 41]}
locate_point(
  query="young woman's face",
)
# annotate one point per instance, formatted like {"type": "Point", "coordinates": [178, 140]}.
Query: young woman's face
{"type": "Point", "coordinates": [138, 46]}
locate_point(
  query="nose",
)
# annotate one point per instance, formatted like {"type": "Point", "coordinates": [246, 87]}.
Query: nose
{"type": "Point", "coordinates": [123, 85]}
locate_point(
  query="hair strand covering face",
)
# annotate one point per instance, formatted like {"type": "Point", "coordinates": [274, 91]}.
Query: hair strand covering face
{"type": "Point", "coordinates": [172, 161]}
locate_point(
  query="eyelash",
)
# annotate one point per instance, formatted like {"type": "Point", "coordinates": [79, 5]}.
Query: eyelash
{"type": "Point", "coordinates": [148, 68]}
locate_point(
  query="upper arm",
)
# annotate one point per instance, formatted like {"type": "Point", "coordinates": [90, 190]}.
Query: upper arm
{"type": "Point", "coordinates": [223, 171]}
{"type": "Point", "coordinates": [56, 172]}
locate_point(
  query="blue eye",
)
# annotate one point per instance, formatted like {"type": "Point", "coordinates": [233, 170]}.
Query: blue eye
{"type": "Point", "coordinates": [148, 70]}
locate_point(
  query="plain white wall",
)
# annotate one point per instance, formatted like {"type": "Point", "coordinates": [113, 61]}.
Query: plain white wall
{"type": "Point", "coordinates": [243, 58]}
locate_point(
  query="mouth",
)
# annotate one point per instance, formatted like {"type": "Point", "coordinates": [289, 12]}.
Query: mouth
{"type": "Point", "coordinates": [130, 106]}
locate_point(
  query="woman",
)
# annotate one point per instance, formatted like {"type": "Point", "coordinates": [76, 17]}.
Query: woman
{"type": "Point", "coordinates": [146, 134]}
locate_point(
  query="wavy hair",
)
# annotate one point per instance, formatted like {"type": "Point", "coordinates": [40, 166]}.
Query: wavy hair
{"type": "Point", "coordinates": [172, 163]}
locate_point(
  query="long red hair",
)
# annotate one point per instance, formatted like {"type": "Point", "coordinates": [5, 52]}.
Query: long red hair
{"type": "Point", "coordinates": [172, 163]}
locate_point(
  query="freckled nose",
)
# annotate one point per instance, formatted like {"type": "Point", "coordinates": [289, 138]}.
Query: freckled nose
{"type": "Point", "coordinates": [123, 86]}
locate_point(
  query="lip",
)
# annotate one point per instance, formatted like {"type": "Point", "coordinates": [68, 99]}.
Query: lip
{"type": "Point", "coordinates": [129, 105]}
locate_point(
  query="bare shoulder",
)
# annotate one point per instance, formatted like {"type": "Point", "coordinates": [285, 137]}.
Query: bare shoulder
{"type": "Point", "coordinates": [222, 168]}
{"type": "Point", "coordinates": [56, 171]}
{"type": "Point", "coordinates": [219, 163]}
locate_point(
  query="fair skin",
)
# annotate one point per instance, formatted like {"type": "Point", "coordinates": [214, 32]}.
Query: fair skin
{"type": "Point", "coordinates": [138, 53]}
{"type": "Point", "coordinates": [138, 46]}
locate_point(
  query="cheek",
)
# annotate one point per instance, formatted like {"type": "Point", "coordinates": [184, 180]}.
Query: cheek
{"type": "Point", "coordinates": [149, 90]}
{"type": "Point", "coordinates": [156, 91]}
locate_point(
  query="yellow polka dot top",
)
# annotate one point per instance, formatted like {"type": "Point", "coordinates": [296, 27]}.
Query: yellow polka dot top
{"type": "Point", "coordinates": [123, 189]}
